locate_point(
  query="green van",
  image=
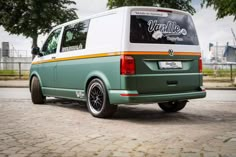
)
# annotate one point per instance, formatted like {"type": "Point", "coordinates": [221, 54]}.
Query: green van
{"type": "Point", "coordinates": [127, 55]}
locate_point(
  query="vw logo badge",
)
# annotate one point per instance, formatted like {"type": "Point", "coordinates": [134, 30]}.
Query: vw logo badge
{"type": "Point", "coordinates": [171, 52]}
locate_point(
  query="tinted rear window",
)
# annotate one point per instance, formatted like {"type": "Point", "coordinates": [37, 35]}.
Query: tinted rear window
{"type": "Point", "coordinates": [162, 28]}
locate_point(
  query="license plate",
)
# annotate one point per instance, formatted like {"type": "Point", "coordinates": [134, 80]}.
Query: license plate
{"type": "Point", "coordinates": [170, 65]}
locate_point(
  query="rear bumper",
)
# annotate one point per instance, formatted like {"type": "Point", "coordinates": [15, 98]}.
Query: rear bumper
{"type": "Point", "coordinates": [116, 97]}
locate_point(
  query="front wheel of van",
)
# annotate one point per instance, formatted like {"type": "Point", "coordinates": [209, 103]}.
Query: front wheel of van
{"type": "Point", "coordinates": [36, 92]}
{"type": "Point", "coordinates": [173, 106]}
{"type": "Point", "coordinates": [97, 100]}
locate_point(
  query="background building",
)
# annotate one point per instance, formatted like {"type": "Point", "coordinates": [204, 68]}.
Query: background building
{"type": "Point", "coordinates": [230, 53]}
{"type": "Point", "coordinates": [10, 58]}
{"type": "Point", "coordinates": [221, 53]}
{"type": "Point", "coordinates": [216, 53]}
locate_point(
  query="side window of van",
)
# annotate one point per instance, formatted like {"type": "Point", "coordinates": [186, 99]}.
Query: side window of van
{"type": "Point", "coordinates": [50, 46]}
{"type": "Point", "coordinates": [74, 36]}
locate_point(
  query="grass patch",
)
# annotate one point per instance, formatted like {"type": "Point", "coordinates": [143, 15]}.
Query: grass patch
{"type": "Point", "coordinates": [219, 72]}
{"type": "Point", "coordinates": [8, 72]}
{"type": "Point", "coordinates": [13, 75]}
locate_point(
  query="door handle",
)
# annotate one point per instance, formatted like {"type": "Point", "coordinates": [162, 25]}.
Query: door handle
{"type": "Point", "coordinates": [53, 57]}
{"type": "Point", "coordinates": [172, 83]}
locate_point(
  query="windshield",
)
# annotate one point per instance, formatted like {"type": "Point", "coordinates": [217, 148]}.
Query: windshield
{"type": "Point", "coordinates": [162, 28]}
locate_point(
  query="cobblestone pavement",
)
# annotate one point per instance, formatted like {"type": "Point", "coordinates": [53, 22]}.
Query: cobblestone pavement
{"type": "Point", "coordinates": [65, 128]}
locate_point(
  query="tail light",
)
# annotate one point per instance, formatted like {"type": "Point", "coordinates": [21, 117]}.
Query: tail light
{"type": "Point", "coordinates": [127, 65]}
{"type": "Point", "coordinates": [200, 64]}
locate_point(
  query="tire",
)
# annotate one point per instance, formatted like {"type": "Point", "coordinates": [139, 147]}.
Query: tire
{"type": "Point", "coordinates": [173, 106]}
{"type": "Point", "coordinates": [36, 92]}
{"type": "Point", "coordinates": [97, 100]}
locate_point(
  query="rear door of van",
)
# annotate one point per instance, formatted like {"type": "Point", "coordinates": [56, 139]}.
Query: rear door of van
{"type": "Point", "coordinates": [166, 51]}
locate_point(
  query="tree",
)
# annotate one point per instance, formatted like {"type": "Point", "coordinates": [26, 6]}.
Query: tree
{"type": "Point", "coordinates": [33, 17]}
{"type": "Point", "coordinates": [176, 4]}
{"type": "Point", "coordinates": [223, 7]}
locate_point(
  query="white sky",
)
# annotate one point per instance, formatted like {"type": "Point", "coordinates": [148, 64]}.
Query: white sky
{"type": "Point", "coordinates": [208, 28]}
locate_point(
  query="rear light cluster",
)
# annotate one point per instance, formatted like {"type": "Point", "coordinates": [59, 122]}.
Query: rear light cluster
{"type": "Point", "coordinates": [200, 64]}
{"type": "Point", "coordinates": [127, 65]}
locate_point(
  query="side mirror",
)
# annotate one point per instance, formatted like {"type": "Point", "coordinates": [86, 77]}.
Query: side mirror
{"type": "Point", "coordinates": [36, 51]}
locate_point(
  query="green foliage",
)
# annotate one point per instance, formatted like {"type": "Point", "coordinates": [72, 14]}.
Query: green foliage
{"type": "Point", "coordinates": [223, 7]}
{"type": "Point", "coordinates": [184, 5]}
{"type": "Point", "coordinates": [33, 17]}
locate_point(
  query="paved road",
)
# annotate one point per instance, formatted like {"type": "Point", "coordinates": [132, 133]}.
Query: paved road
{"type": "Point", "coordinates": [205, 128]}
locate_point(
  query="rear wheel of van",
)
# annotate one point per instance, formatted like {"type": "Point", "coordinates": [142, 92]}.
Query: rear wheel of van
{"type": "Point", "coordinates": [173, 106]}
{"type": "Point", "coordinates": [98, 101]}
{"type": "Point", "coordinates": [36, 92]}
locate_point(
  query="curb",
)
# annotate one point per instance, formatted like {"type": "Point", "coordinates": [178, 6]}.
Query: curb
{"type": "Point", "coordinates": [220, 88]}
{"type": "Point", "coordinates": [14, 86]}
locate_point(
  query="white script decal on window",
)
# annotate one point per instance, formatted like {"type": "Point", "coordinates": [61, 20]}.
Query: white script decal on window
{"type": "Point", "coordinates": [168, 29]}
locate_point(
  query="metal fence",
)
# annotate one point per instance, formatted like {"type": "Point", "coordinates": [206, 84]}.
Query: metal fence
{"type": "Point", "coordinates": [12, 53]}
{"type": "Point", "coordinates": [19, 53]}
{"type": "Point", "coordinates": [216, 70]}
{"type": "Point", "coordinates": [220, 70]}
{"type": "Point", "coordinates": [14, 69]}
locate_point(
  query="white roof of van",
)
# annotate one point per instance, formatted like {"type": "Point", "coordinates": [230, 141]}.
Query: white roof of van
{"type": "Point", "coordinates": [117, 10]}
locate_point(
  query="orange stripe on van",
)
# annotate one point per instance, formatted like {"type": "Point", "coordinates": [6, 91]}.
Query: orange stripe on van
{"type": "Point", "coordinates": [78, 57]}
{"type": "Point", "coordinates": [117, 54]}
{"type": "Point", "coordinates": [162, 53]}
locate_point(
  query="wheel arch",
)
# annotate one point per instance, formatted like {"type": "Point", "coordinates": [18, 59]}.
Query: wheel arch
{"type": "Point", "coordinates": [98, 75]}
{"type": "Point", "coordinates": [34, 74]}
